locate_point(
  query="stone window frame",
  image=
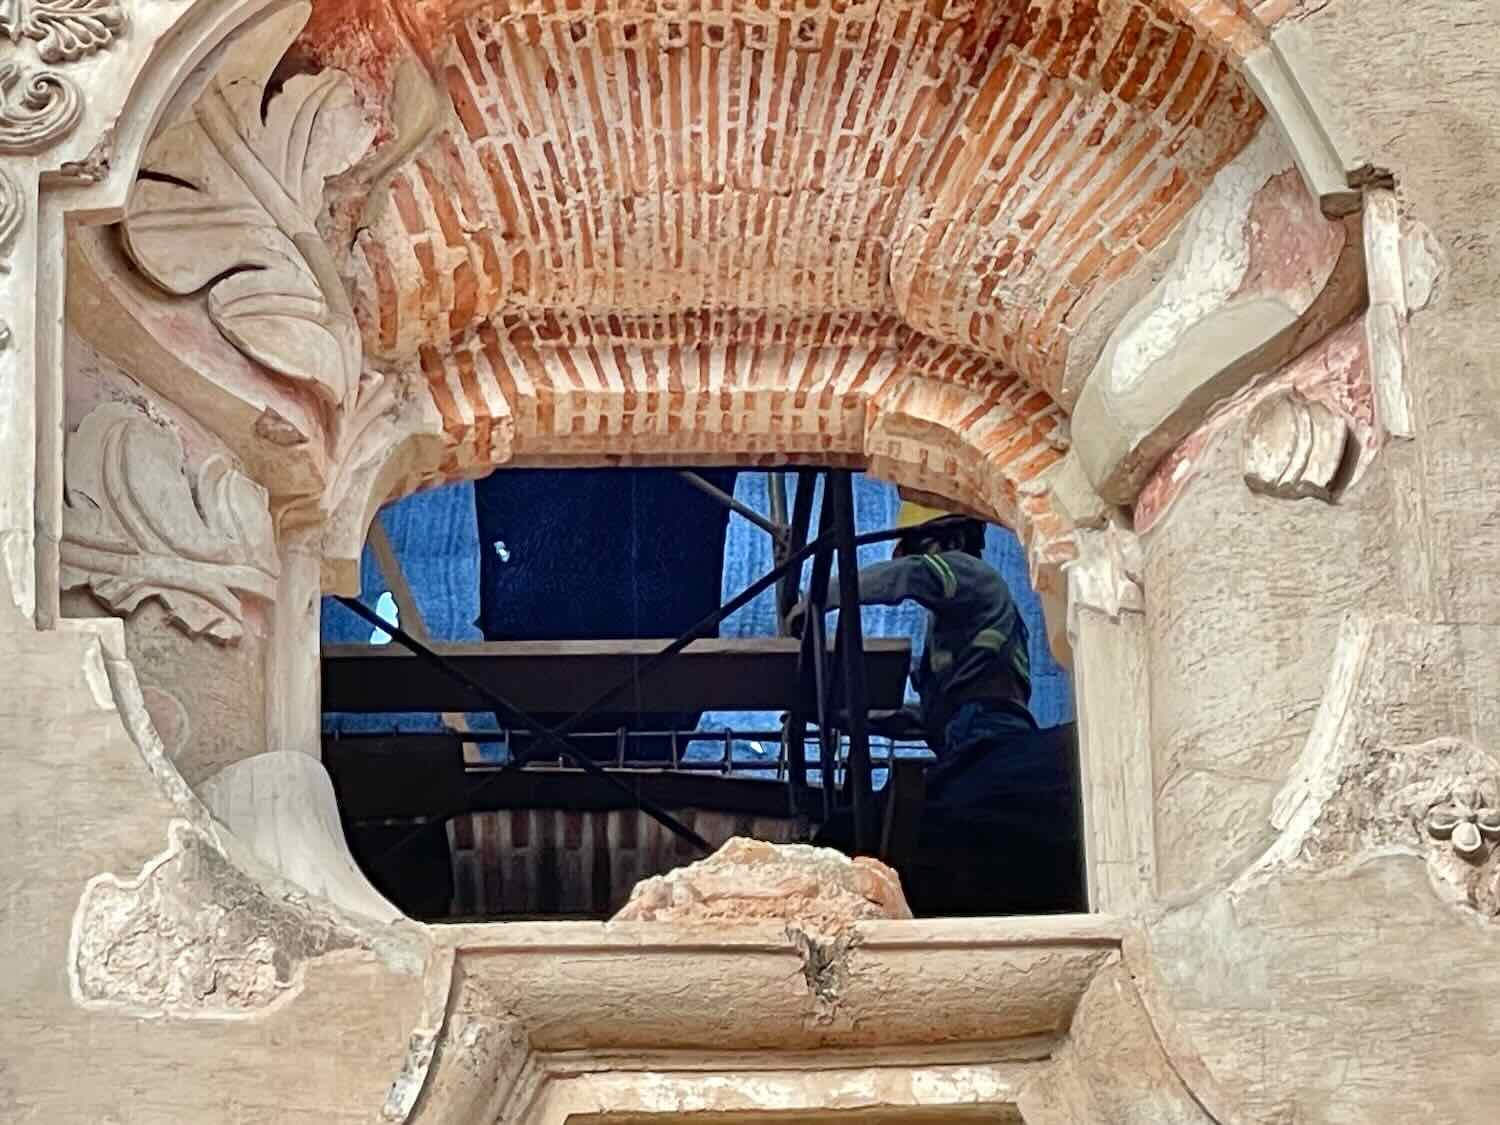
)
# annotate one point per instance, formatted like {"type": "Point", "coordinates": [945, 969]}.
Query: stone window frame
{"type": "Point", "coordinates": [75, 167]}
{"type": "Point", "coordinates": [529, 1022]}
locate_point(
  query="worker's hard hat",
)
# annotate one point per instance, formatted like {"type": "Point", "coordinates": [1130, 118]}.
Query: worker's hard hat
{"type": "Point", "coordinates": [915, 515]}
{"type": "Point", "coordinates": [921, 524]}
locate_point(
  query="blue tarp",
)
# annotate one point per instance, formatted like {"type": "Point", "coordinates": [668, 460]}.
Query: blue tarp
{"type": "Point", "coordinates": [598, 554]}
{"type": "Point", "coordinates": [624, 557]}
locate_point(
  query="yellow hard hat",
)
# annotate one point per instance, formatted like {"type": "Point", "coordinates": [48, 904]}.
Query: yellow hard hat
{"type": "Point", "coordinates": [915, 515]}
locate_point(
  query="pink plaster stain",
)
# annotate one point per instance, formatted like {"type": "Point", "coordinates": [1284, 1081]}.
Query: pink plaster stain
{"type": "Point", "coordinates": [1336, 371]}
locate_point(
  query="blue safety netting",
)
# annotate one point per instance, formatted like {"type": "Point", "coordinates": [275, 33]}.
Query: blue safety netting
{"type": "Point", "coordinates": [622, 553]}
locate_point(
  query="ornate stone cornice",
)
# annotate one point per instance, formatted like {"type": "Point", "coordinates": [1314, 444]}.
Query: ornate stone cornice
{"type": "Point", "coordinates": [64, 30]}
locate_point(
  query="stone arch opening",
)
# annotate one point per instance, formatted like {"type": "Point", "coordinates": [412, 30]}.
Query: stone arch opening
{"type": "Point", "coordinates": [1038, 389]}
{"type": "Point", "coordinates": [444, 835]}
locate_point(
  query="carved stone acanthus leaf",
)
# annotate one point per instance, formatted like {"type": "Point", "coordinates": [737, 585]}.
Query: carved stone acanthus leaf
{"type": "Point", "coordinates": [1294, 447]}
{"type": "Point", "coordinates": [36, 107]}
{"type": "Point", "coordinates": [134, 528]}
{"type": "Point", "coordinates": [10, 217]}
{"type": "Point", "coordinates": [228, 201]}
{"type": "Point", "coordinates": [64, 30]}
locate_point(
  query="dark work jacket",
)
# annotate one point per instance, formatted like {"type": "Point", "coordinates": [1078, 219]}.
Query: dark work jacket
{"type": "Point", "coordinates": [976, 643]}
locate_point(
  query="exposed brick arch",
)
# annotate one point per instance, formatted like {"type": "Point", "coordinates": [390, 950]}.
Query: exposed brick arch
{"type": "Point", "coordinates": [872, 232]}
{"type": "Point", "coordinates": [846, 231]}
{"type": "Point", "coordinates": [979, 171]}
{"type": "Point", "coordinates": [668, 390]}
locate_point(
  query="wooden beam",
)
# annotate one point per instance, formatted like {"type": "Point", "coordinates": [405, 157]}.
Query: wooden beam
{"type": "Point", "coordinates": [562, 677]}
{"type": "Point", "coordinates": [410, 615]}
{"type": "Point", "coordinates": [410, 776]}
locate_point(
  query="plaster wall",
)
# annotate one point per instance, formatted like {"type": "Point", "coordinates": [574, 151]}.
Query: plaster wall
{"type": "Point", "coordinates": [257, 1032]}
{"type": "Point", "coordinates": [1321, 995]}
{"type": "Point", "coordinates": [1431, 117]}
{"type": "Point", "coordinates": [1312, 953]}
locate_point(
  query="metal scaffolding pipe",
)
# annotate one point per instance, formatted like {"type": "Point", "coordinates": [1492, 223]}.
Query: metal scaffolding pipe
{"type": "Point", "coordinates": [851, 659]}
{"type": "Point", "coordinates": [578, 758]}
{"type": "Point", "coordinates": [774, 530]}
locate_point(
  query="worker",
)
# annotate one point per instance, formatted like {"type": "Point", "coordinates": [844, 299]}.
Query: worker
{"type": "Point", "coordinates": [974, 678]}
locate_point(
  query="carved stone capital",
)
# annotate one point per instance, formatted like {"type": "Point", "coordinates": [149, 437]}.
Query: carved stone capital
{"type": "Point", "coordinates": [225, 211]}
{"type": "Point", "coordinates": [1106, 575]}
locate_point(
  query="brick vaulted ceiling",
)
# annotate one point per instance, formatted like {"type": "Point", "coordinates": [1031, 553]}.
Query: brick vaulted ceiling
{"type": "Point", "coordinates": [855, 200]}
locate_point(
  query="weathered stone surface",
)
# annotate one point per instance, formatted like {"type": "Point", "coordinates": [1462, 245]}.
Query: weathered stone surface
{"type": "Point", "coordinates": [191, 935]}
{"type": "Point", "coordinates": [82, 803]}
{"type": "Point", "coordinates": [1294, 448]}
{"type": "Point", "coordinates": [891, 236]}
{"type": "Point", "coordinates": [749, 881]}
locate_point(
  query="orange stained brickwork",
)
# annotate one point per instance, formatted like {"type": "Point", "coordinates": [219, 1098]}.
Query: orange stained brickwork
{"type": "Point", "coordinates": [979, 172]}
{"type": "Point", "coordinates": [853, 231]}
{"type": "Point", "coordinates": [838, 389]}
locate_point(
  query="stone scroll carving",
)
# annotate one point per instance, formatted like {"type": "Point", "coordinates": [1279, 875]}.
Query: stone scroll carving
{"type": "Point", "coordinates": [64, 30]}
{"type": "Point", "coordinates": [227, 203]}
{"type": "Point", "coordinates": [1294, 447]}
{"type": "Point", "coordinates": [37, 107]}
{"type": "Point", "coordinates": [135, 528]}
{"type": "Point", "coordinates": [10, 217]}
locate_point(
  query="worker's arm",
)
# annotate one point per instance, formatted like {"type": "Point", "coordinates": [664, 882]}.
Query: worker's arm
{"type": "Point", "coordinates": [924, 579]}
{"type": "Point", "coordinates": [927, 580]}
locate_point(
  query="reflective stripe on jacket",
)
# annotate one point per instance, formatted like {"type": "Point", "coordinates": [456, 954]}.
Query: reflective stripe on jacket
{"type": "Point", "coordinates": [975, 634]}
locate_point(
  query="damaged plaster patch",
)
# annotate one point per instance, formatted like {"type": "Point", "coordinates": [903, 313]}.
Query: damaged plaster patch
{"type": "Point", "coordinates": [825, 967]}
{"type": "Point", "coordinates": [748, 881]}
{"type": "Point", "coordinates": [422, 1043]}
{"type": "Point", "coordinates": [1423, 264]}
{"type": "Point", "coordinates": [192, 936]}
{"type": "Point", "coordinates": [1211, 264]}
{"type": "Point", "coordinates": [1354, 797]}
